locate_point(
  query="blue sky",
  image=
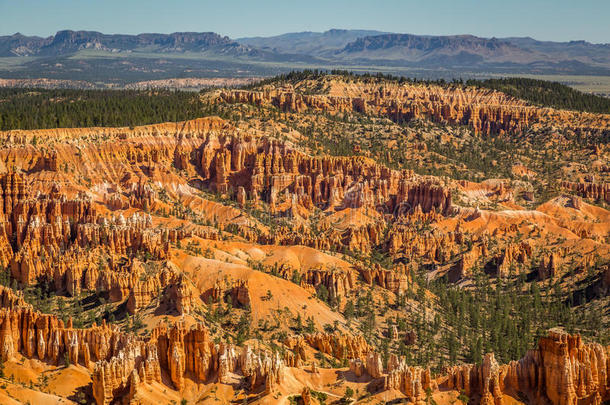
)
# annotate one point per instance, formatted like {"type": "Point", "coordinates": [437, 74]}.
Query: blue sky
{"type": "Point", "coordinates": [559, 20]}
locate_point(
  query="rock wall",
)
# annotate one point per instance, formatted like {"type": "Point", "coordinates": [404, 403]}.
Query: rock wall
{"type": "Point", "coordinates": [10, 299]}
{"type": "Point", "coordinates": [563, 370]}
{"type": "Point", "coordinates": [411, 381]}
{"type": "Point", "coordinates": [45, 337]}
{"type": "Point", "coordinates": [114, 357]}
{"type": "Point", "coordinates": [594, 191]}
{"type": "Point", "coordinates": [185, 351]}
{"type": "Point", "coordinates": [340, 345]}
{"type": "Point", "coordinates": [338, 282]}
{"type": "Point", "coordinates": [396, 280]}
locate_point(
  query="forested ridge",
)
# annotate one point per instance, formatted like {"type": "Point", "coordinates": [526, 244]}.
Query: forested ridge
{"type": "Point", "coordinates": [70, 108]}
{"type": "Point", "coordinates": [538, 92]}
{"type": "Point", "coordinates": [547, 94]}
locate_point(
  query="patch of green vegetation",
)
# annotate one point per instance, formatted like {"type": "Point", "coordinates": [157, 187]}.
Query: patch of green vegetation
{"type": "Point", "coordinates": [546, 93]}
{"type": "Point", "coordinates": [89, 108]}
{"type": "Point", "coordinates": [320, 396]}
{"type": "Point", "coordinates": [507, 317]}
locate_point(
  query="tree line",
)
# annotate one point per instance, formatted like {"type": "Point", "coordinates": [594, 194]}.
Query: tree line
{"type": "Point", "coordinates": [22, 108]}
{"type": "Point", "coordinates": [546, 93]}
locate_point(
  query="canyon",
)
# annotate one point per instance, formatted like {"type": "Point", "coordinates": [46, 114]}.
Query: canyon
{"type": "Point", "coordinates": [236, 258]}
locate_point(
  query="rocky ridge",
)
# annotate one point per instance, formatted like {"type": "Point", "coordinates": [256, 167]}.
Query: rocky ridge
{"type": "Point", "coordinates": [485, 111]}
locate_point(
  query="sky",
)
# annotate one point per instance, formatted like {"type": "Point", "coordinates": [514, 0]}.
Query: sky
{"type": "Point", "coordinates": [556, 20]}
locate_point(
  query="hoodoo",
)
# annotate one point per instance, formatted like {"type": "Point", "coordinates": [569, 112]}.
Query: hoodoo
{"type": "Point", "coordinates": [332, 238]}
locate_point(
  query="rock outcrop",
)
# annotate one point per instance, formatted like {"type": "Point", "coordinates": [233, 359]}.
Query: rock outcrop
{"type": "Point", "coordinates": [338, 282]}
{"type": "Point", "coordinates": [9, 299]}
{"type": "Point", "coordinates": [413, 382]}
{"type": "Point", "coordinates": [47, 338]}
{"type": "Point", "coordinates": [339, 345]}
{"type": "Point", "coordinates": [513, 255]}
{"type": "Point", "coordinates": [563, 370]}
{"type": "Point", "coordinates": [594, 191]}
{"type": "Point", "coordinates": [191, 352]}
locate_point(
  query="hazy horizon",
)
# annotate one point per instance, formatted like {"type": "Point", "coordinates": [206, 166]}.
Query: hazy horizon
{"type": "Point", "coordinates": [544, 20]}
{"type": "Point", "coordinates": [292, 32]}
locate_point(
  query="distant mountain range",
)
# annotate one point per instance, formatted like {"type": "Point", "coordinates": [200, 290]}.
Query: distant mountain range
{"type": "Point", "coordinates": [207, 53]}
{"type": "Point", "coordinates": [319, 44]}
{"type": "Point", "coordinates": [70, 42]}
{"type": "Point", "coordinates": [365, 47]}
